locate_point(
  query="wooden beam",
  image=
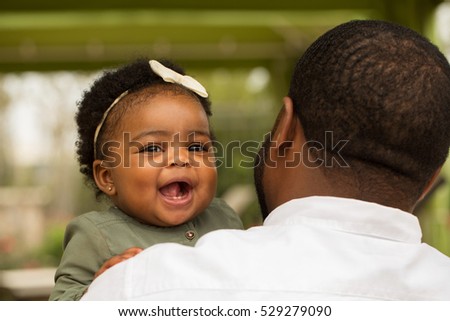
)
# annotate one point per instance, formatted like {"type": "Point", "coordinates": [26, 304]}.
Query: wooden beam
{"type": "Point", "coordinates": [81, 34]}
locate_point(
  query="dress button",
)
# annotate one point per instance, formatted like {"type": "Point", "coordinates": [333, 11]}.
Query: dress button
{"type": "Point", "coordinates": [190, 235]}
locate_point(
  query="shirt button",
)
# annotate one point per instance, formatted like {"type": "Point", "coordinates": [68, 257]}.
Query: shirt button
{"type": "Point", "coordinates": [189, 235]}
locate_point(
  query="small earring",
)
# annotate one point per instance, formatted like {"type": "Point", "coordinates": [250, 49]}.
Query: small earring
{"type": "Point", "coordinates": [109, 188]}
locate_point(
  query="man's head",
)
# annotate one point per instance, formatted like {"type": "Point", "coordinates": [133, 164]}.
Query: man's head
{"type": "Point", "coordinates": [382, 93]}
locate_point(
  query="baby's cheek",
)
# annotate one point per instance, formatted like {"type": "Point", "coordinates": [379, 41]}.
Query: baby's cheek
{"type": "Point", "coordinates": [207, 160]}
{"type": "Point", "coordinates": [211, 182]}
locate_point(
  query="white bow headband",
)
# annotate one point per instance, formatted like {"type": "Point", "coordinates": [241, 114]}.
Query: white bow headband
{"type": "Point", "coordinates": [168, 75]}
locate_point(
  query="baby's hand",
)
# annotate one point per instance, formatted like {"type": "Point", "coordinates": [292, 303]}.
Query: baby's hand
{"type": "Point", "coordinates": [132, 251]}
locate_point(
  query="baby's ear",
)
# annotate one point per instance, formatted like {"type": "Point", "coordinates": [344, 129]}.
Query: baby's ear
{"type": "Point", "coordinates": [103, 178]}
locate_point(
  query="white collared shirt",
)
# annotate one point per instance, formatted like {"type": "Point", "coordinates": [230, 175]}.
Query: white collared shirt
{"type": "Point", "coordinates": [315, 248]}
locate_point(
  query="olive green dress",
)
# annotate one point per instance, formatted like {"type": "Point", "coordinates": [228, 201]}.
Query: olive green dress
{"type": "Point", "coordinates": [94, 237]}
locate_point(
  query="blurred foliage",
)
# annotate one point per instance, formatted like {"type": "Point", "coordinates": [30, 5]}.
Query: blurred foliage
{"type": "Point", "coordinates": [48, 253]}
{"type": "Point", "coordinates": [244, 108]}
{"type": "Point", "coordinates": [434, 215]}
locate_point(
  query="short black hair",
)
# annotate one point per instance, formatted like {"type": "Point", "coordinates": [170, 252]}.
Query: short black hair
{"type": "Point", "coordinates": [385, 89]}
{"type": "Point", "coordinates": [134, 78]}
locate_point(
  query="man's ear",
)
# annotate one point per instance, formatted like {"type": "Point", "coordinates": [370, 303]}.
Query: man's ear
{"type": "Point", "coordinates": [430, 184]}
{"type": "Point", "coordinates": [285, 128]}
{"type": "Point", "coordinates": [103, 178]}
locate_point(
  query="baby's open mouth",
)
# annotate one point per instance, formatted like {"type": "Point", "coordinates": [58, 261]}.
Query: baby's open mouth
{"type": "Point", "coordinates": [176, 190]}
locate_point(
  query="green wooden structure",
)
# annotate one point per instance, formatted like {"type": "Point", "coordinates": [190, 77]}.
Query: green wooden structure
{"type": "Point", "coordinates": [83, 34]}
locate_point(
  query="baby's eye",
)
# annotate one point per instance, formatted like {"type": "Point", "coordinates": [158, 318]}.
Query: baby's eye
{"type": "Point", "coordinates": [152, 149]}
{"type": "Point", "coordinates": [198, 147]}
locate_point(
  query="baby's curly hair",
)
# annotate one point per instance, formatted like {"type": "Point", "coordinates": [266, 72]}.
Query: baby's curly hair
{"type": "Point", "coordinates": [133, 77]}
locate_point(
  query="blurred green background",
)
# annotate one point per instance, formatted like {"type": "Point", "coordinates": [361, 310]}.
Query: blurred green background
{"type": "Point", "coordinates": [242, 51]}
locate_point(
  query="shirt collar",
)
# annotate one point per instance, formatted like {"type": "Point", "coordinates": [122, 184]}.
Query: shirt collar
{"type": "Point", "coordinates": [349, 215]}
